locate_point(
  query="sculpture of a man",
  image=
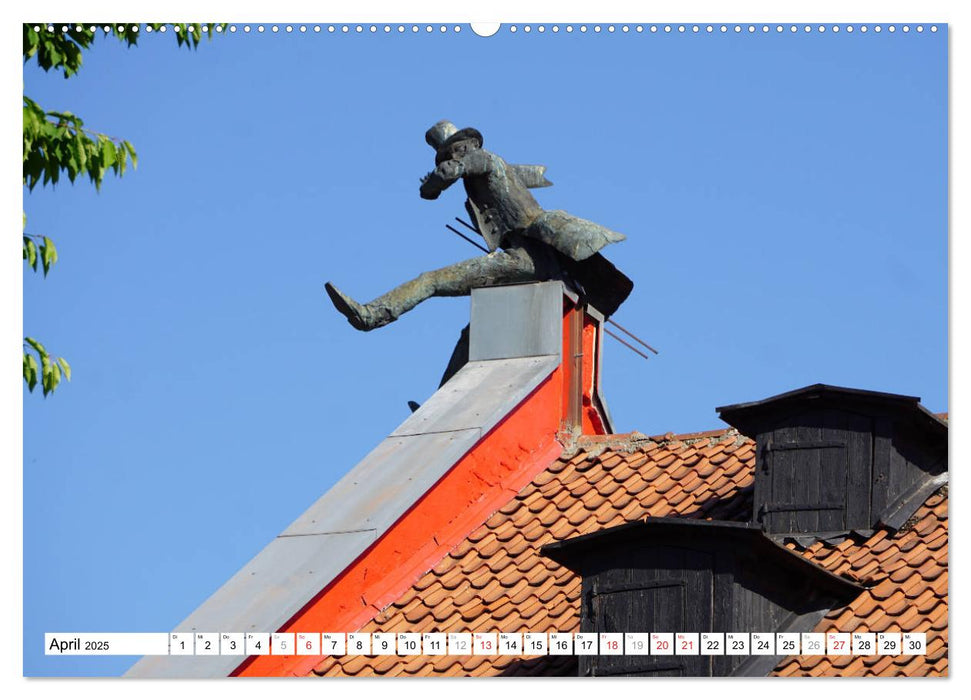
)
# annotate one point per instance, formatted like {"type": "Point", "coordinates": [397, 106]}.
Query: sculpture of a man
{"type": "Point", "coordinates": [526, 242]}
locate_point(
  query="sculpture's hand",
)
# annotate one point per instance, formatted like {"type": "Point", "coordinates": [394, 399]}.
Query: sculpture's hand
{"type": "Point", "coordinates": [440, 179]}
{"type": "Point", "coordinates": [450, 170]}
{"type": "Point", "coordinates": [428, 189]}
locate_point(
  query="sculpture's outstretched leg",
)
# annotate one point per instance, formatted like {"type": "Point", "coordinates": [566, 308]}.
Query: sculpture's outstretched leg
{"type": "Point", "coordinates": [501, 267]}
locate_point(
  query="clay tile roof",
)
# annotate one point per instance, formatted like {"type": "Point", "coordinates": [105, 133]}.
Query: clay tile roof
{"type": "Point", "coordinates": [496, 580]}
{"type": "Point", "coordinates": [911, 594]}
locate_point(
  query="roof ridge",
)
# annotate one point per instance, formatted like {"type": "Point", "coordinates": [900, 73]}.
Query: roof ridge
{"type": "Point", "coordinates": [636, 441]}
{"type": "Point", "coordinates": [691, 438]}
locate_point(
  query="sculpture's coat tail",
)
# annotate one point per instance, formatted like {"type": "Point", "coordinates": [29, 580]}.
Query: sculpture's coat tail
{"type": "Point", "coordinates": [576, 238]}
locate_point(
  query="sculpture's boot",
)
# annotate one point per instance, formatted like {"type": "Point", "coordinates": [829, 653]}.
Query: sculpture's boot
{"type": "Point", "coordinates": [387, 307]}
{"type": "Point", "coordinates": [358, 315]}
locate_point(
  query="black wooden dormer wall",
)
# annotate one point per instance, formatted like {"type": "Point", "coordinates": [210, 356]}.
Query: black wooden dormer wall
{"type": "Point", "coordinates": [684, 575]}
{"type": "Point", "coordinates": [830, 460]}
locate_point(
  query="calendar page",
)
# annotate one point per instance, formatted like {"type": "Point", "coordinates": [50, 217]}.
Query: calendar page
{"type": "Point", "coordinates": [415, 347]}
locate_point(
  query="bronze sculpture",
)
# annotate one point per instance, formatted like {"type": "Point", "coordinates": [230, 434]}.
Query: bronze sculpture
{"type": "Point", "coordinates": [526, 242]}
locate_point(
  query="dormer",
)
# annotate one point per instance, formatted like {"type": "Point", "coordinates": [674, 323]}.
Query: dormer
{"type": "Point", "coordinates": [693, 576]}
{"type": "Point", "coordinates": [830, 459]}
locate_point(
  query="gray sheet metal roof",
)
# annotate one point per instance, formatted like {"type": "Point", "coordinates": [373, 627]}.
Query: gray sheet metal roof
{"type": "Point", "coordinates": [363, 505]}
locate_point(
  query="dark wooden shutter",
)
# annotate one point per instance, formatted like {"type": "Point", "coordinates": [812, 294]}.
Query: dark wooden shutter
{"type": "Point", "coordinates": [809, 481]}
{"type": "Point", "coordinates": [814, 474]}
{"type": "Point", "coordinates": [667, 590]}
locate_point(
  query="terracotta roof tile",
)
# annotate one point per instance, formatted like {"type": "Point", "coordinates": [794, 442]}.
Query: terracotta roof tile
{"type": "Point", "coordinates": [496, 578]}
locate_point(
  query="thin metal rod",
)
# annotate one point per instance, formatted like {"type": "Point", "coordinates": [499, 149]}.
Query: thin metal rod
{"type": "Point", "coordinates": [624, 342]}
{"type": "Point", "coordinates": [459, 233]}
{"type": "Point", "coordinates": [613, 322]}
{"type": "Point", "coordinates": [468, 225]}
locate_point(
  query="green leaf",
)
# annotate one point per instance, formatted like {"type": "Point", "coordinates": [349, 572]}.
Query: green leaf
{"type": "Point", "coordinates": [36, 346]}
{"type": "Point", "coordinates": [31, 41]}
{"type": "Point", "coordinates": [65, 366]}
{"type": "Point", "coordinates": [108, 155]}
{"type": "Point", "coordinates": [131, 152]}
{"type": "Point", "coordinates": [46, 374]}
{"type": "Point", "coordinates": [30, 371]}
{"type": "Point", "coordinates": [30, 252]}
{"type": "Point", "coordinates": [80, 152]}
{"type": "Point", "coordinates": [48, 254]}
{"type": "Point", "coordinates": [65, 116]}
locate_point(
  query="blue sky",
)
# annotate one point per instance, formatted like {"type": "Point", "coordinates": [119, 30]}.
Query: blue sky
{"type": "Point", "coordinates": [784, 198]}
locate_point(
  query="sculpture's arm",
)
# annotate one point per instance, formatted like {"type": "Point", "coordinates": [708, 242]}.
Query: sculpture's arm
{"type": "Point", "coordinates": [447, 172]}
{"type": "Point", "coordinates": [440, 179]}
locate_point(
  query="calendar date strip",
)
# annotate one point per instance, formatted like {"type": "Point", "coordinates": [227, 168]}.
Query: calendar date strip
{"type": "Point", "coordinates": [523, 644]}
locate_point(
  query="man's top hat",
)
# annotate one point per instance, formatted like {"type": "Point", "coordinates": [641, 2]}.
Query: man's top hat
{"type": "Point", "coordinates": [444, 134]}
{"type": "Point", "coordinates": [438, 134]}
